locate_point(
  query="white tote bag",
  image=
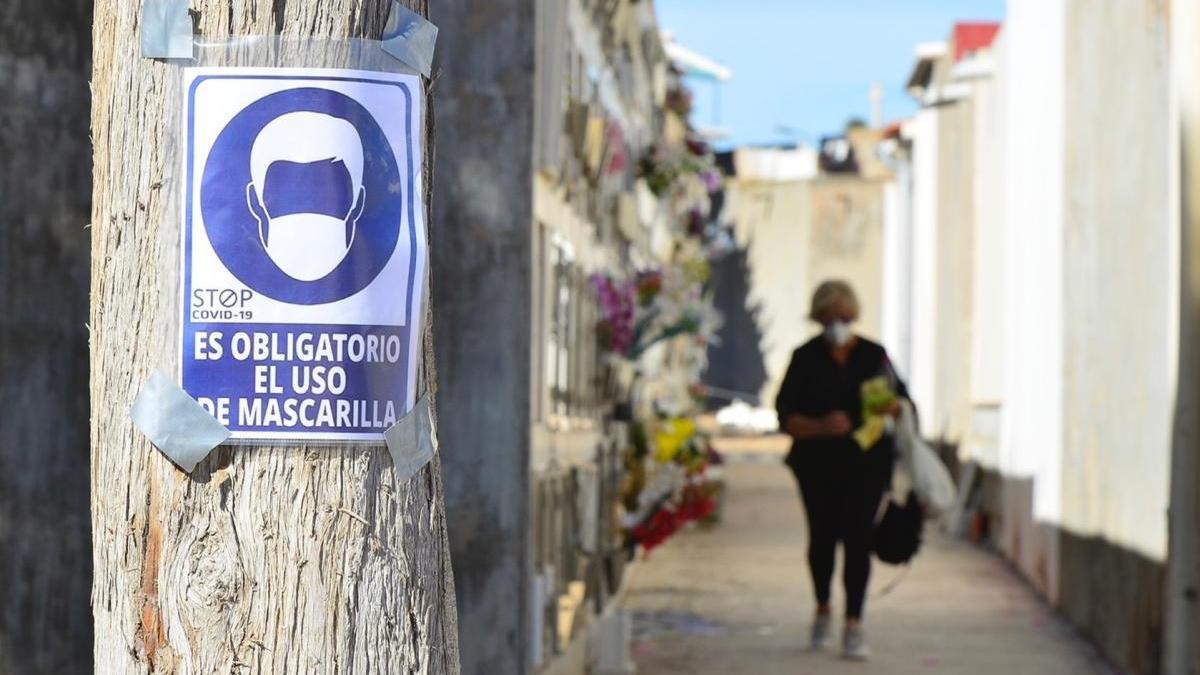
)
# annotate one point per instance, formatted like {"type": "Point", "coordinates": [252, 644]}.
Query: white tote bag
{"type": "Point", "coordinates": [929, 477]}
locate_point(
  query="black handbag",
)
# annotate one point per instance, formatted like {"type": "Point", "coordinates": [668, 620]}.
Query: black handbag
{"type": "Point", "coordinates": [898, 533]}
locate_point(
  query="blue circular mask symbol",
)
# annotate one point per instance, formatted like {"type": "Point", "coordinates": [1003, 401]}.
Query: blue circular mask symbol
{"type": "Point", "coordinates": [245, 215]}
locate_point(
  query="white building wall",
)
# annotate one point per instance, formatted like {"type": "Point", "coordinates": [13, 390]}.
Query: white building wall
{"type": "Point", "coordinates": [955, 268]}
{"type": "Point", "coordinates": [987, 336]}
{"type": "Point", "coordinates": [771, 223]}
{"type": "Point", "coordinates": [797, 233]}
{"type": "Point", "coordinates": [897, 267]}
{"type": "Point", "coordinates": [924, 365]}
{"type": "Point", "coordinates": [1031, 431]}
{"type": "Point", "coordinates": [1119, 252]}
{"type": "Point", "coordinates": [1074, 313]}
{"type": "Point", "coordinates": [847, 242]}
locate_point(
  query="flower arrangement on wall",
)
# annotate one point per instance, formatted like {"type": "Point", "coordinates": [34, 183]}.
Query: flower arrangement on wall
{"type": "Point", "coordinates": [674, 172]}
{"type": "Point", "coordinates": [679, 101]}
{"type": "Point", "coordinates": [653, 306]}
{"type": "Point", "coordinates": [658, 322]}
{"type": "Point", "coordinates": [683, 490]}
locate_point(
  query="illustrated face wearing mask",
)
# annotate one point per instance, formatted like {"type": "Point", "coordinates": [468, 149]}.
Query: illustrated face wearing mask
{"type": "Point", "coordinates": [306, 192]}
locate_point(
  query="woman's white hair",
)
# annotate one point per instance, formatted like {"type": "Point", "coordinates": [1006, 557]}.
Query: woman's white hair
{"type": "Point", "coordinates": [829, 295]}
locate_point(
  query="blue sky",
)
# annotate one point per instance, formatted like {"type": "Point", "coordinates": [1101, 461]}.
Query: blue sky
{"type": "Point", "coordinates": [801, 68]}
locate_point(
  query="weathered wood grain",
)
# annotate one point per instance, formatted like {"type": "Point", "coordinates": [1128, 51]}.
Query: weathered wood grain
{"type": "Point", "coordinates": [267, 559]}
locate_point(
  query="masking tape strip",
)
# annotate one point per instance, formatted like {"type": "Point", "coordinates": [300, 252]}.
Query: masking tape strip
{"type": "Point", "coordinates": [410, 38]}
{"type": "Point", "coordinates": [175, 423]}
{"type": "Point", "coordinates": [166, 29]}
{"type": "Point", "coordinates": [412, 441]}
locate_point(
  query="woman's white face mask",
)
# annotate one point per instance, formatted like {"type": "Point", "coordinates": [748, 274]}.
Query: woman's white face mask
{"type": "Point", "coordinates": [837, 333]}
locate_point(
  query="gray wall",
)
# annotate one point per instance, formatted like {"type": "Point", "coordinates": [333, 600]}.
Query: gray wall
{"type": "Point", "coordinates": [480, 243]}
{"type": "Point", "coordinates": [45, 193]}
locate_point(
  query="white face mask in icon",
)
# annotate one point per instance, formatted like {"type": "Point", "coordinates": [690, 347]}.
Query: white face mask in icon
{"type": "Point", "coordinates": [307, 246]}
{"type": "Point", "coordinates": [306, 192]}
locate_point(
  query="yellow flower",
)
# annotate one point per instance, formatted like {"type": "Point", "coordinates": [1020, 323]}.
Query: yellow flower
{"type": "Point", "coordinates": [671, 438]}
{"type": "Point", "coordinates": [876, 396]}
{"type": "Point", "coordinates": [696, 270]}
{"type": "Point", "coordinates": [870, 432]}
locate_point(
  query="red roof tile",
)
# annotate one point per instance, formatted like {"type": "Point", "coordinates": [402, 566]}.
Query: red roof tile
{"type": "Point", "coordinates": [973, 36]}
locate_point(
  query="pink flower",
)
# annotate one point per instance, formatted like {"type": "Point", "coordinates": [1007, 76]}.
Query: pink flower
{"type": "Point", "coordinates": [615, 327]}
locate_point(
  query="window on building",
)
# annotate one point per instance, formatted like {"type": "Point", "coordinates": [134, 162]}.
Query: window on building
{"type": "Point", "coordinates": [570, 353]}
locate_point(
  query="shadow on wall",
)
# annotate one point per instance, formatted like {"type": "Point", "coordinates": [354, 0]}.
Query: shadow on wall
{"type": "Point", "coordinates": [1113, 594]}
{"type": "Point", "coordinates": [1116, 596]}
{"type": "Point", "coordinates": [736, 363]}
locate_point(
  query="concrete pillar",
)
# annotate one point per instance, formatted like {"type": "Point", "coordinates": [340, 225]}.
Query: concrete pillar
{"type": "Point", "coordinates": [45, 196]}
{"type": "Point", "coordinates": [1182, 640]}
{"type": "Point", "coordinates": [480, 247]}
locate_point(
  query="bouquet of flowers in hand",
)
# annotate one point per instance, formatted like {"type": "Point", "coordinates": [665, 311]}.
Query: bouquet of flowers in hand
{"type": "Point", "coordinates": [877, 398]}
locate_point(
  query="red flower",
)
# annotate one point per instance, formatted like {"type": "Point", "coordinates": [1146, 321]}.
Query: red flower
{"type": "Point", "coordinates": [657, 528]}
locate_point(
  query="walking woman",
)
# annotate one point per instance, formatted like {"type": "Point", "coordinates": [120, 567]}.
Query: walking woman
{"type": "Point", "coordinates": [842, 471]}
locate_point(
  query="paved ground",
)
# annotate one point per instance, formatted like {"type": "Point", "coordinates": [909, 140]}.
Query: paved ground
{"type": "Point", "coordinates": [736, 599]}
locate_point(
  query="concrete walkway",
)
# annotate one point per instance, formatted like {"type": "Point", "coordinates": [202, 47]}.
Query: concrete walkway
{"type": "Point", "coordinates": [736, 599]}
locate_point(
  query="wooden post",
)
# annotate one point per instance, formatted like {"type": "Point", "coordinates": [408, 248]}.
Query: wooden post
{"type": "Point", "coordinates": [265, 560]}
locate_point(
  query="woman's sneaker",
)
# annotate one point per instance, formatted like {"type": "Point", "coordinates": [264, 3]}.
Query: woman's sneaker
{"type": "Point", "coordinates": [854, 644]}
{"type": "Point", "coordinates": [822, 632]}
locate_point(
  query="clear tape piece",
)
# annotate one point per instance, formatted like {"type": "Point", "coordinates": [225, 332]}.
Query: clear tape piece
{"type": "Point", "coordinates": [411, 38]}
{"type": "Point", "coordinates": [412, 441]}
{"type": "Point", "coordinates": [166, 29]}
{"type": "Point", "coordinates": [175, 423]}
